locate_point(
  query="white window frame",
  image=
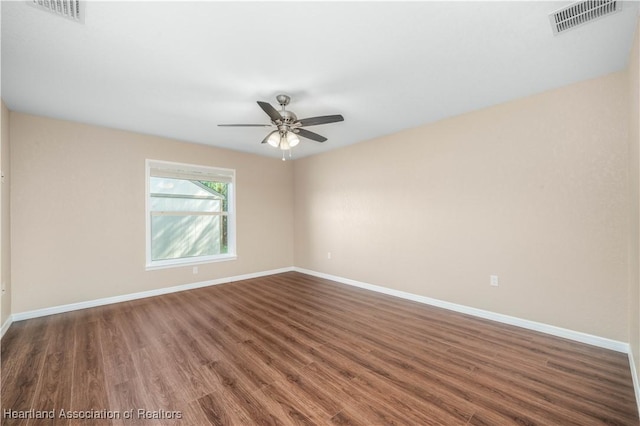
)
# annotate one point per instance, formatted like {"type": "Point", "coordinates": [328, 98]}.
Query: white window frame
{"type": "Point", "coordinates": [207, 172]}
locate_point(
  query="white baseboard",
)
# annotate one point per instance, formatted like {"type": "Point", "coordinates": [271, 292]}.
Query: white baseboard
{"type": "Point", "coordinates": [6, 326]}
{"type": "Point", "coordinates": [141, 295]}
{"type": "Point", "coordinates": [578, 336]}
{"type": "Point", "coordinates": [634, 376]}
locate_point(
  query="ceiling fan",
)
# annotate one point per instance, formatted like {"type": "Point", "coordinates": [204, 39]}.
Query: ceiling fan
{"type": "Point", "coordinates": [288, 126]}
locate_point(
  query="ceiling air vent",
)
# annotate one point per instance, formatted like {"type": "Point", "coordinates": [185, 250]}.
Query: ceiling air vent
{"type": "Point", "coordinates": [70, 9]}
{"type": "Point", "coordinates": [582, 12]}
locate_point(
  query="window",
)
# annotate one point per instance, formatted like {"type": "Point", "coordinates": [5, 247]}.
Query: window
{"type": "Point", "coordinates": [190, 214]}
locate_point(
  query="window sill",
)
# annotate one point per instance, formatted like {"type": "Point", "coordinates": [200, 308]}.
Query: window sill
{"type": "Point", "coordinates": [178, 263]}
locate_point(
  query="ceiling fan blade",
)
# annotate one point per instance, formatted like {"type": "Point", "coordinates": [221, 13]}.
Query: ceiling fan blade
{"type": "Point", "coordinates": [271, 111]}
{"type": "Point", "coordinates": [310, 135]}
{"type": "Point", "coordinates": [245, 125]}
{"type": "Point", "coordinates": [324, 119]}
{"type": "Point", "coordinates": [268, 136]}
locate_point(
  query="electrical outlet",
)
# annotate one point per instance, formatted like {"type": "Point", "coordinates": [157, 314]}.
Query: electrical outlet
{"type": "Point", "coordinates": [195, 270]}
{"type": "Point", "coordinates": [329, 255]}
{"type": "Point", "coordinates": [493, 280]}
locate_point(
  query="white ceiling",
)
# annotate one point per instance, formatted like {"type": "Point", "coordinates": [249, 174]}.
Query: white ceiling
{"type": "Point", "coordinates": [177, 69]}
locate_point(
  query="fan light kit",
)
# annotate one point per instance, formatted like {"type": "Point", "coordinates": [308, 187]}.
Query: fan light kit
{"type": "Point", "coordinates": [289, 128]}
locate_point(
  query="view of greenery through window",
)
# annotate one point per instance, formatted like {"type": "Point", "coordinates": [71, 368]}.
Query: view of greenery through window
{"type": "Point", "coordinates": [222, 189]}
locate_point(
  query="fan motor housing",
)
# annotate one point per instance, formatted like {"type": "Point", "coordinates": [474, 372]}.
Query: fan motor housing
{"type": "Point", "coordinates": [288, 116]}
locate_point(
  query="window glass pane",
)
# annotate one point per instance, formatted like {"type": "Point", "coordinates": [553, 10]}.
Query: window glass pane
{"type": "Point", "coordinates": [161, 185]}
{"type": "Point", "coordinates": [174, 237]}
{"type": "Point", "coordinates": [166, 204]}
{"type": "Point", "coordinates": [188, 196]}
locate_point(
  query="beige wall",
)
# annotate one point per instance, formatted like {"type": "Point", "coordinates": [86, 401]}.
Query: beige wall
{"type": "Point", "coordinates": [78, 212]}
{"type": "Point", "coordinates": [5, 231]}
{"type": "Point", "coordinates": [535, 191]}
{"type": "Point", "coordinates": [634, 197]}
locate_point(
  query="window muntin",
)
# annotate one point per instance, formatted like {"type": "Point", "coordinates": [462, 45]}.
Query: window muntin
{"type": "Point", "coordinates": [189, 214]}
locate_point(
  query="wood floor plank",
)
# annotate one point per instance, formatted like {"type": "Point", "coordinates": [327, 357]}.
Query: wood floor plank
{"type": "Point", "coordinates": [304, 397]}
{"type": "Point", "coordinates": [88, 390]}
{"type": "Point", "coordinates": [240, 399]}
{"type": "Point", "coordinates": [19, 387]}
{"type": "Point", "coordinates": [128, 396]}
{"type": "Point", "coordinates": [17, 338]}
{"type": "Point", "coordinates": [285, 406]}
{"type": "Point", "coordinates": [155, 380]}
{"type": "Point", "coordinates": [293, 349]}
{"type": "Point", "coordinates": [215, 412]}
{"type": "Point", "coordinates": [118, 363]}
{"type": "Point", "coordinates": [55, 382]}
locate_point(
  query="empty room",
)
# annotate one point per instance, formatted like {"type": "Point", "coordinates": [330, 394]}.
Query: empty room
{"type": "Point", "coordinates": [349, 213]}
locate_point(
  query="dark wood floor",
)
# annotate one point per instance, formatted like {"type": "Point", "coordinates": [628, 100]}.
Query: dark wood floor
{"type": "Point", "coordinates": [294, 349]}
